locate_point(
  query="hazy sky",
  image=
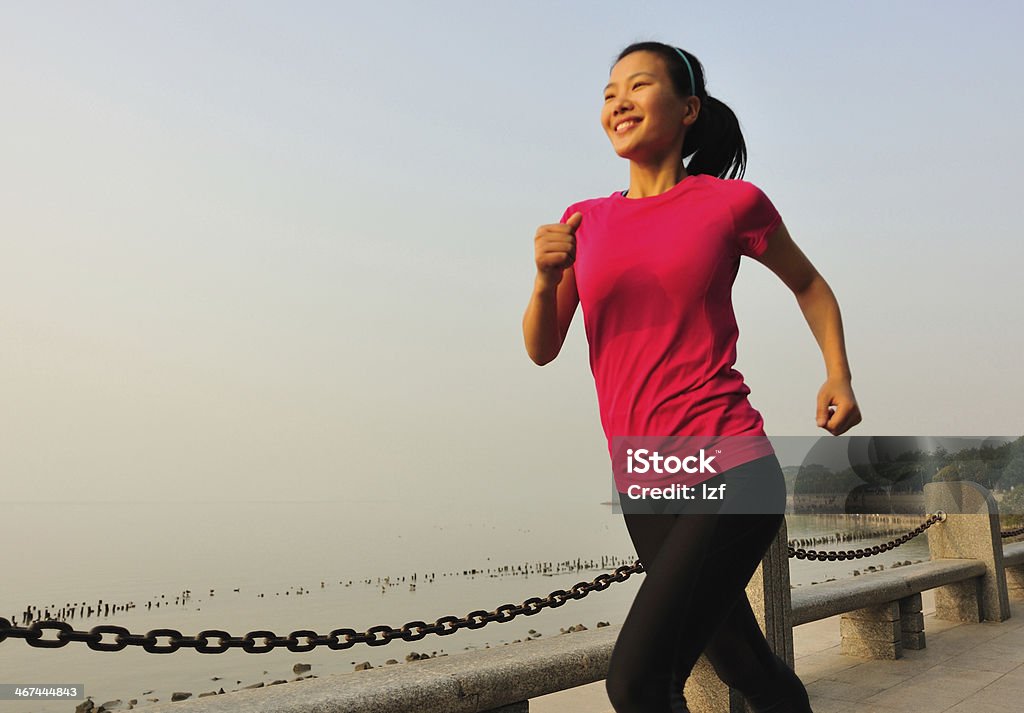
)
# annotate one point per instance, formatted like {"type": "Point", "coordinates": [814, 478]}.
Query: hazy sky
{"type": "Point", "coordinates": [282, 250]}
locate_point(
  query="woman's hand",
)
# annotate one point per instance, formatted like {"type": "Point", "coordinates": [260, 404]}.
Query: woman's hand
{"type": "Point", "coordinates": [555, 249]}
{"type": "Point", "coordinates": [838, 411]}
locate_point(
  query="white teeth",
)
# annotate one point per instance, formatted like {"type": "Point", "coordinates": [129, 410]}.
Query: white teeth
{"type": "Point", "coordinates": [625, 125]}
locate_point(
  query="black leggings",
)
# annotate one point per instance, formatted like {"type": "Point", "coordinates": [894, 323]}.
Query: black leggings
{"type": "Point", "coordinates": [693, 600]}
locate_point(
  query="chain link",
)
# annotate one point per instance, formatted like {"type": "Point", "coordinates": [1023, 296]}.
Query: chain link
{"type": "Point", "coordinates": [339, 639]}
{"type": "Point", "coordinates": [260, 642]}
{"type": "Point", "coordinates": [831, 556]}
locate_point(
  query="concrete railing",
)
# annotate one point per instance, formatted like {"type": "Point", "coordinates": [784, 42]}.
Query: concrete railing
{"type": "Point", "coordinates": [500, 679]}
{"type": "Point", "coordinates": [881, 615]}
{"type": "Point", "coordinates": [882, 610]}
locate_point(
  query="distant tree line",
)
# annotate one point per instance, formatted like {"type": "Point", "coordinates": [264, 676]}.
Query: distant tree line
{"type": "Point", "coordinates": [998, 468]}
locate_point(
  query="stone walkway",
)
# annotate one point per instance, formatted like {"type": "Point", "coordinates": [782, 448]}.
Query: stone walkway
{"type": "Point", "coordinates": [964, 668]}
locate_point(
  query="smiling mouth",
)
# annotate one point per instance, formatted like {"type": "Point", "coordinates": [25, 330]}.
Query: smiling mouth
{"type": "Point", "coordinates": [626, 126]}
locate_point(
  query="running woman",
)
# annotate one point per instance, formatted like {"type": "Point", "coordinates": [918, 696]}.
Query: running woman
{"type": "Point", "coordinates": [652, 268]}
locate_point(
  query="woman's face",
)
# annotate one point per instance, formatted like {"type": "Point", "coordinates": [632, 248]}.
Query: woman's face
{"type": "Point", "coordinates": [640, 93]}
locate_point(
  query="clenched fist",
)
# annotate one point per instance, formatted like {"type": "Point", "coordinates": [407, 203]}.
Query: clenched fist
{"type": "Point", "coordinates": [555, 249]}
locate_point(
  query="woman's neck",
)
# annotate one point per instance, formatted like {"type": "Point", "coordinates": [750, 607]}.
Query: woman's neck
{"type": "Point", "coordinates": [652, 180]}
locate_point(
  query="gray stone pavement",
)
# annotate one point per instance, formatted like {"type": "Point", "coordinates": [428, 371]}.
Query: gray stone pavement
{"type": "Point", "coordinates": [964, 668]}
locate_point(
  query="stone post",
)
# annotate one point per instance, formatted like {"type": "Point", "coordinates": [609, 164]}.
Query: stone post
{"type": "Point", "coordinates": [872, 632]}
{"type": "Point", "coordinates": [912, 622]}
{"type": "Point", "coordinates": [769, 595]}
{"type": "Point", "coordinates": [883, 631]}
{"type": "Point", "coordinates": [970, 531]}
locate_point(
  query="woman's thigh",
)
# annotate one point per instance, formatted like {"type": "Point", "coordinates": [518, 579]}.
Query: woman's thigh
{"type": "Point", "coordinates": [736, 548]}
{"type": "Point", "coordinates": [673, 550]}
{"type": "Point", "coordinates": [697, 567]}
{"type": "Point", "coordinates": [739, 545]}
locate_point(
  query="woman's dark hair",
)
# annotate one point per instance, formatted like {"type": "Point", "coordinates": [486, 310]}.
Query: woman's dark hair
{"type": "Point", "coordinates": [715, 139]}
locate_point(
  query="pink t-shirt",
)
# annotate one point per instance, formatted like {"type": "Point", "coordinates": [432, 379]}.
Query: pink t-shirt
{"type": "Point", "coordinates": [655, 277]}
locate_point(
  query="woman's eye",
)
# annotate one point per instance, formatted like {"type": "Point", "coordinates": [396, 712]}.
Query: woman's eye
{"type": "Point", "coordinates": [635, 85]}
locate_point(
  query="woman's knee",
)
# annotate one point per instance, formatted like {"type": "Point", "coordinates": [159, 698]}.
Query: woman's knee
{"type": "Point", "coordinates": [768, 684]}
{"type": "Point", "coordinates": [750, 675]}
{"type": "Point", "coordinates": [785, 694]}
{"type": "Point", "coordinates": [634, 688]}
{"type": "Point", "coordinates": [632, 694]}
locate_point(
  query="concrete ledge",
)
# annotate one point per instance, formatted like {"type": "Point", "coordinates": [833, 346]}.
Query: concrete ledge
{"type": "Point", "coordinates": [820, 601]}
{"type": "Point", "coordinates": [465, 682]}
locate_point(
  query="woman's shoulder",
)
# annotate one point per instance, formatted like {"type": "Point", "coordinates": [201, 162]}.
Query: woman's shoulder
{"type": "Point", "coordinates": [585, 206]}
{"type": "Point", "coordinates": [732, 186]}
{"type": "Point", "coordinates": [739, 194]}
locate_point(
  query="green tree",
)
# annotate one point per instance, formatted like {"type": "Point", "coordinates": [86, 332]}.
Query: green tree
{"type": "Point", "coordinates": [1013, 473]}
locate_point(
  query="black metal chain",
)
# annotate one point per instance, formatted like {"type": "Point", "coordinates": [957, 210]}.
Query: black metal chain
{"type": "Point", "coordinates": [340, 639]}
{"type": "Point", "coordinates": [1012, 533]}
{"type": "Point", "coordinates": [337, 640]}
{"type": "Point", "coordinates": [832, 556]}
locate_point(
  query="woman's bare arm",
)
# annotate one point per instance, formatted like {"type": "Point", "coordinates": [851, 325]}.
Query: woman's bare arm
{"type": "Point", "coordinates": [548, 316]}
{"type": "Point", "coordinates": [821, 310]}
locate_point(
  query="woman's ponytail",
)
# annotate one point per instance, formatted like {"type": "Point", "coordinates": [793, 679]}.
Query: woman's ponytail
{"type": "Point", "coordinates": [715, 140]}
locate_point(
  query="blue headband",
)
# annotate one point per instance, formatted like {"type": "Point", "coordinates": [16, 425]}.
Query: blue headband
{"type": "Point", "coordinates": [693, 84]}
